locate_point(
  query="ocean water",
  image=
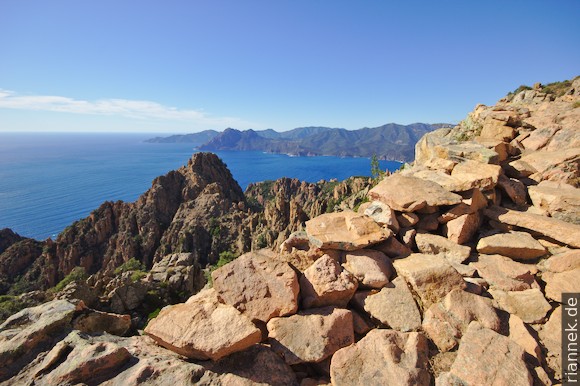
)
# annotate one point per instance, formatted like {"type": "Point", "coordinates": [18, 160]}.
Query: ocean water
{"type": "Point", "coordinates": [47, 181]}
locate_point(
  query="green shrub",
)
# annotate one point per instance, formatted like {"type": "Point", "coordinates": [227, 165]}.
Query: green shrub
{"type": "Point", "coordinates": [9, 305]}
{"type": "Point", "coordinates": [130, 265]}
{"type": "Point", "coordinates": [557, 88]}
{"type": "Point", "coordinates": [518, 90]}
{"type": "Point", "coordinates": [214, 227]}
{"type": "Point", "coordinates": [225, 257]}
{"type": "Point", "coordinates": [365, 199]}
{"type": "Point", "coordinates": [153, 314]}
{"type": "Point", "coordinates": [138, 275]}
{"type": "Point", "coordinates": [576, 104]}
{"type": "Point", "coordinates": [262, 242]}
{"type": "Point", "coordinates": [77, 274]}
{"type": "Point", "coordinates": [328, 187]}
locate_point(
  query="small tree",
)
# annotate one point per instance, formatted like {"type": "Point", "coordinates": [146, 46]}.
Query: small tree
{"type": "Point", "coordinates": [376, 170]}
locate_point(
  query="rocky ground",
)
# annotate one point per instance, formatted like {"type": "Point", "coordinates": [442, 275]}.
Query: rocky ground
{"type": "Point", "coordinates": [451, 274]}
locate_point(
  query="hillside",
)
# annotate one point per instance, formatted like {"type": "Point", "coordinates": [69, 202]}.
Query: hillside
{"type": "Point", "coordinates": [390, 141]}
{"type": "Point", "coordinates": [452, 271]}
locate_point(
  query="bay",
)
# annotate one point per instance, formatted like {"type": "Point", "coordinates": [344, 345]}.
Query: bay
{"type": "Point", "coordinates": [49, 180]}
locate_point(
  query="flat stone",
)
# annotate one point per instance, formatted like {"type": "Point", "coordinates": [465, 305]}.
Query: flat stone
{"type": "Point", "coordinates": [444, 165]}
{"type": "Point", "coordinates": [561, 262]}
{"type": "Point", "coordinates": [505, 274]}
{"type": "Point", "coordinates": [196, 328]}
{"type": "Point", "coordinates": [326, 283]}
{"type": "Point", "coordinates": [463, 228]}
{"type": "Point", "coordinates": [258, 287]}
{"type": "Point", "coordinates": [551, 337]}
{"type": "Point", "coordinates": [311, 336]}
{"type": "Point", "coordinates": [383, 357]}
{"type": "Point", "coordinates": [561, 282]}
{"type": "Point", "coordinates": [488, 358]}
{"type": "Point", "coordinates": [446, 322]}
{"type": "Point", "coordinates": [439, 177]}
{"type": "Point", "coordinates": [455, 212]}
{"type": "Point", "coordinates": [559, 200]}
{"type": "Point", "coordinates": [383, 215]}
{"type": "Point", "coordinates": [529, 305]}
{"type": "Point", "coordinates": [431, 277]}
{"type": "Point", "coordinates": [519, 333]}
{"type": "Point", "coordinates": [346, 231]}
{"type": "Point", "coordinates": [22, 333]}
{"type": "Point", "coordinates": [78, 362]}
{"type": "Point", "coordinates": [409, 194]}
{"type": "Point", "coordinates": [93, 321]}
{"type": "Point", "coordinates": [517, 245]}
{"type": "Point", "coordinates": [372, 269]}
{"type": "Point", "coordinates": [434, 244]}
{"type": "Point", "coordinates": [544, 163]}
{"type": "Point", "coordinates": [558, 230]}
{"type": "Point", "coordinates": [474, 174]}
{"type": "Point", "coordinates": [394, 306]}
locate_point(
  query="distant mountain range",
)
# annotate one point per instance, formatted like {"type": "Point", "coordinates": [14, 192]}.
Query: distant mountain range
{"type": "Point", "coordinates": [390, 141]}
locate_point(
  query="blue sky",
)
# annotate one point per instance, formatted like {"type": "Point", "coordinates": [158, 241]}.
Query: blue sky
{"type": "Point", "coordinates": [185, 66]}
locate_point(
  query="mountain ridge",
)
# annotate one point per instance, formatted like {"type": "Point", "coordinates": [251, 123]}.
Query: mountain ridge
{"type": "Point", "coordinates": [390, 141]}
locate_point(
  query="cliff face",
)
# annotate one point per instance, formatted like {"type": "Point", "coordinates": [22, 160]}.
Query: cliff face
{"type": "Point", "coordinates": [284, 205]}
{"type": "Point", "coordinates": [198, 209]}
{"type": "Point", "coordinates": [177, 208]}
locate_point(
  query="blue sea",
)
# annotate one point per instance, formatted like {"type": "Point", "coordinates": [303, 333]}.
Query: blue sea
{"type": "Point", "coordinates": [47, 181]}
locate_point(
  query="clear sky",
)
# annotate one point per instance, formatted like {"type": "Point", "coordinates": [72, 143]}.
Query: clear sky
{"type": "Point", "coordinates": [188, 65]}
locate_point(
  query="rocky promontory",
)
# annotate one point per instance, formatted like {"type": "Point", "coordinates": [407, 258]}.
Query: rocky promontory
{"type": "Point", "coordinates": [448, 272]}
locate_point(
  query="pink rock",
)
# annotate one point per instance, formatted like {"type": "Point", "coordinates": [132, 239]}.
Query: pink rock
{"type": "Point", "coordinates": [197, 329]}
{"type": "Point", "coordinates": [346, 231]}
{"type": "Point", "coordinates": [517, 245]}
{"type": "Point", "coordinates": [431, 277]}
{"type": "Point", "coordinates": [383, 357]}
{"type": "Point", "coordinates": [258, 287]}
{"type": "Point", "coordinates": [529, 305]}
{"type": "Point", "coordinates": [561, 231]}
{"type": "Point", "coordinates": [326, 283]}
{"type": "Point", "coordinates": [488, 358]}
{"type": "Point", "coordinates": [520, 334]}
{"type": "Point", "coordinates": [505, 274]}
{"type": "Point", "coordinates": [561, 282]}
{"type": "Point", "coordinates": [373, 269]}
{"type": "Point", "coordinates": [408, 194]}
{"type": "Point", "coordinates": [435, 244]}
{"type": "Point", "coordinates": [462, 229]}
{"type": "Point", "coordinates": [393, 305]}
{"type": "Point", "coordinates": [311, 336]}
{"type": "Point", "coordinates": [446, 322]}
